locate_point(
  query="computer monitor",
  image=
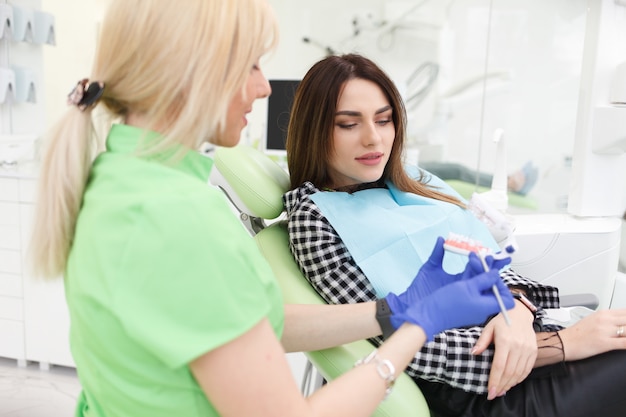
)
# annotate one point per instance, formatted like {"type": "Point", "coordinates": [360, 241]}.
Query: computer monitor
{"type": "Point", "coordinates": [278, 110]}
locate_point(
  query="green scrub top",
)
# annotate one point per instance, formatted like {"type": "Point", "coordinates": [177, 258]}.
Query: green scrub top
{"type": "Point", "coordinates": [160, 272]}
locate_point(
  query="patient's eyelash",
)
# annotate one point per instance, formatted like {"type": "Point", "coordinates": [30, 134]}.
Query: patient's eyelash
{"type": "Point", "coordinates": [383, 122]}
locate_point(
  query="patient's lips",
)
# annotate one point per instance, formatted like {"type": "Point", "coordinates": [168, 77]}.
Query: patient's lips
{"type": "Point", "coordinates": [371, 158]}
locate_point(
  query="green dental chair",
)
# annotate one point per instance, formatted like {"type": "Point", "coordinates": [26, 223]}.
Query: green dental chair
{"type": "Point", "coordinates": [466, 189]}
{"type": "Point", "coordinates": [255, 184]}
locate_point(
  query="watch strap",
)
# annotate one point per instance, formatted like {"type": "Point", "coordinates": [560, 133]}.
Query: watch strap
{"type": "Point", "coordinates": [383, 317]}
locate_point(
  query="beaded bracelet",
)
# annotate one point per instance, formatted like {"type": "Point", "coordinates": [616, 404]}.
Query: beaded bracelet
{"type": "Point", "coordinates": [384, 367]}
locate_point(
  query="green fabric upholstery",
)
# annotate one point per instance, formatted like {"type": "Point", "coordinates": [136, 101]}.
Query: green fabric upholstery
{"type": "Point", "coordinates": [260, 183]}
{"type": "Point", "coordinates": [406, 399]}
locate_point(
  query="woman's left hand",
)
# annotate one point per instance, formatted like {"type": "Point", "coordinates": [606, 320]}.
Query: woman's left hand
{"type": "Point", "coordinates": [515, 349]}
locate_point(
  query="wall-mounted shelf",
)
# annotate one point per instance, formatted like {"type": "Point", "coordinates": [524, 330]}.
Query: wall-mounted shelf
{"type": "Point", "coordinates": [27, 25]}
{"type": "Point", "coordinates": [6, 20]}
{"type": "Point", "coordinates": [25, 85]}
{"type": "Point", "coordinates": [23, 24]}
{"type": "Point", "coordinates": [7, 85]}
{"type": "Point", "coordinates": [44, 28]}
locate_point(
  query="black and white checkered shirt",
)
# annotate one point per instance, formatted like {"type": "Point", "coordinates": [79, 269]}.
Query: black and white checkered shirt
{"type": "Point", "coordinates": [329, 267]}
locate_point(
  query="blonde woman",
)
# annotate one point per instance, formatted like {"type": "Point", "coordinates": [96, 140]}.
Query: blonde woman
{"type": "Point", "coordinates": [173, 310]}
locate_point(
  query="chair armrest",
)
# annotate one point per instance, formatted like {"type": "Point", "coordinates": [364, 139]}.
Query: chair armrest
{"type": "Point", "coordinates": [586, 300]}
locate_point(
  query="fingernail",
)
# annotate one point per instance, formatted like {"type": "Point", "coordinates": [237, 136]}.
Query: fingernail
{"type": "Point", "coordinates": [473, 352]}
{"type": "Point", "coordinates": [492, 394]}
{"type": "Point", "coordinates": [502, 394]}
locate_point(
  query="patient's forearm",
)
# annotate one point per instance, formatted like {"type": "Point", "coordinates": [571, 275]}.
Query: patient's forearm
{"type": "Point", "coordinates": [313, 327]}
{"type": "Point", "coordinates": [550, 349]}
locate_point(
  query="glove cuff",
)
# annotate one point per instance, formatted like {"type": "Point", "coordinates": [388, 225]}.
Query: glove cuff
{"type": "Point", "coordinates": [395, 305]}
{"type": "Point", "coordinates": [421, 319]}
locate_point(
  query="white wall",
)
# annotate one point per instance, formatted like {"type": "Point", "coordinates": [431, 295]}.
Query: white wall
{"type": "Point", "coordinates": [535, 46]}
{"type": "Point", "coordinates": [70, 60]}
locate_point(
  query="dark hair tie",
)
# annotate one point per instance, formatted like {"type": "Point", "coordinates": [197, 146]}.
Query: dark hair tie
{"type": "Point", "coordinates": [85, 94]}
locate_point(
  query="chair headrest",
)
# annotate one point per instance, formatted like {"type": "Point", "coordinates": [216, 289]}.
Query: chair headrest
{"type": "Point", "coordinates": [252, 178]}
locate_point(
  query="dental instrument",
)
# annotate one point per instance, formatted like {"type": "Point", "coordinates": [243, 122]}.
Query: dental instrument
{"type": "Point", "coordinates": [463, 245]}
{"type": "Point", "coordinates": [500, 225]}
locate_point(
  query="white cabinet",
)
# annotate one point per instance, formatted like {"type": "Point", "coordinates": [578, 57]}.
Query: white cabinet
{"type": "Point", "coordinates": [12, 343]}
{"type": "Point", "coordinates": [46, 318]}
{"type": "Point", "coordinates": [34, 322]}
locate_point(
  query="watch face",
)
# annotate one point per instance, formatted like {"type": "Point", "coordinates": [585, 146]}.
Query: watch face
{"type": "Point", "coordinates": [525, 301]}
{"type": "Point", "coordinates": [517, 291]}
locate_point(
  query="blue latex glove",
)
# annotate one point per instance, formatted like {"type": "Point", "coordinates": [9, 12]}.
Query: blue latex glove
{"type": "Point", "coordinates": [431, 277]}
{"type": "Point", "coordinates": [498, 262]}
{"type": "Point", "coordinates": [461, 303]}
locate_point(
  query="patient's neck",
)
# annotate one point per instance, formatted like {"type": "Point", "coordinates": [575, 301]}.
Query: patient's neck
{"type": "Point", "coordinates": [353, 188]}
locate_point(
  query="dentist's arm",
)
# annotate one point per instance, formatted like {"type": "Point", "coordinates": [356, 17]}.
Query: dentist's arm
{"type": "Point", "coordinates": [313, 327]}
{"type": "Point", "coordinates": [266, 385]}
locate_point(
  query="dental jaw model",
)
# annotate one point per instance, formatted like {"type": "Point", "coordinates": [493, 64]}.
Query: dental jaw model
{"type": "Point", "coordinates": [464, 246]}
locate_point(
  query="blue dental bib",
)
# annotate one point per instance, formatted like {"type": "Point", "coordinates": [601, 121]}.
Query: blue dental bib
{"type": "Point", "coordinates": [391, 233]}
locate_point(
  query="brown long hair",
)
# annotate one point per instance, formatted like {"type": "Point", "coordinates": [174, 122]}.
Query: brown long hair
{"type": "Point", "coordinates": [310, 133]}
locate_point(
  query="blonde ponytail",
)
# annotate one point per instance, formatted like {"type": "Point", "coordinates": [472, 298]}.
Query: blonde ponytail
{"type": "Point", "coordinates": [68, 152]}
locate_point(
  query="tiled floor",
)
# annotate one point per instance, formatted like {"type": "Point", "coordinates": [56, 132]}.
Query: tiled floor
{"type": "Point", "coordinates": [31, 392]}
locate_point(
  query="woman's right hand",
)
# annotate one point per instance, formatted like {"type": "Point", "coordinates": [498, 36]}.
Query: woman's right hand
{"type": "Point", "coordinates": [594, 334]}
